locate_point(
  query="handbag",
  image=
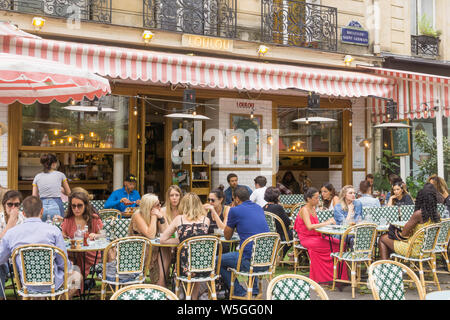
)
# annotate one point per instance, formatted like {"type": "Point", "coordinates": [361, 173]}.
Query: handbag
{"type": "Point", "coordinates": [394, 233]}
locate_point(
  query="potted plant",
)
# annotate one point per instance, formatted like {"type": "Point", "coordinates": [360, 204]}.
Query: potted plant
{"type": "Point", "coordinates": [426, 28]}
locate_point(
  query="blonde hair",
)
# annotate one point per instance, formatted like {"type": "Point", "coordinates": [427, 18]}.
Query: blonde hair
{"type": "Point", "coordinates": [148, 201]}
{"type": "Point", "coordinates": [342, 195]}
{"type": "Point", "coordinates": [441, 185]}
{"type": "Point", "coordinates": [167, 200]}
{"type": "Point", "coordinates": [82, 190]}
{"type": "Point", "coordinates": [191, 207]}
{"type": "Point", "coordinates": [3, 191]}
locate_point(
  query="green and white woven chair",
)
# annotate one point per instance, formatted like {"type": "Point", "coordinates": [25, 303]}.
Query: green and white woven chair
{"type": "Point", "coordinates": [430, 235]}
{"type": "Point", "coordinates": [386, 279]}
{"type": "Point", "coordinates": [442, 243]}
{"type": "Point", "coordinates": [406, 212]}
{"type": "Point", "coordinates": [121, 227]}
{"type": "Point", "coordinates": [108, 226]}
{"type": "Point", "coordinates": [144, 292]}
{"type": "Point", "coordinates": [361, 253]}
{"type": "Point", "coordinates": [289, 201]}
{"type": "Point", "coordinates": [293, 287]}
{"type": "Point", "coordinates": [324, 215]}
{"type": "Point", "coordinates": [202, 253]}
{"type": "Point", "coordinates": [37, 262]}
{"type": "Point", "coordinates": [65, 205]}
{"type": "Point", "coordinates": [264, 255]}
{"type": "Point", "coordinates": [440, 208]}
{"type": "Point", "coordinates": [108, 213]}
{"type": "Point", "coordinates": [132, 262]}
{"type": "Point", "coordinates": [98, 204]}
{"type": "Point", "coordinates": [390, 214]}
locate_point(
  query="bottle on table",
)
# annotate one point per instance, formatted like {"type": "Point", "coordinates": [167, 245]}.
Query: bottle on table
{"type": "Point", "coordinates": [78, 237]}
{"type": "Point", "coordinates": [85, 235]}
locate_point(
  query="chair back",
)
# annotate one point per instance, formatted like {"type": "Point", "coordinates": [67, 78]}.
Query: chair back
{"type": "Point", "coordinates": [121, 227]}
{"type": "Point", "coordinates": [444, 233]}
{"type": "Point", "coordinates": [390, 214]}
{"type": "Point", "coordinates": [365, 236]}
{"type": "Point", "coordinates": [270, 221]}
{"type": "Point", "coordinates": [264, 250]}
{"type": "Point", "coordinates": [430, 238]}
{"type": "Point", "coordinates": [98, 204]}
{"type": "Point", "coordinates": [324, 215]}
{"type": "Point", "coordinates": [291, 198]}
{"type": "Point", "coordinates": [108, 213]}
{"type": "Point", "coordinates": [144, 292]}
{"type": "Point", "coordinates": [65, 205]}
{"type": "Point", "coordinates": [440, 208]}
{"type": "Point", "coordinates": [278, 221]}
{"type": "Point", "coordinates": [37, 265]}
{"type": "Point", "coordinates": [202, 253]}
{"type": "Point", "coordinates": [293, 287]}
{"type": "Point", "coordinates": [406, 211]}
{"type": "Point", "coordinates": [108, 226]}
{"type": "Point", "coordinates": [386, 280]}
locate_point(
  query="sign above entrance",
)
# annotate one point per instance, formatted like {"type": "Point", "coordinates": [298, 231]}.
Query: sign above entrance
{"type": "Point", "coordinates": [202, 42]}
{"type": "Point", "coordinates": [355, 34]}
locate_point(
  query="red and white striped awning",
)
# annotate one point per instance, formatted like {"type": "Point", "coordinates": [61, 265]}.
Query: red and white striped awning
{"type": "Point", "coordinates": [417, 94]}
{"type": "Point", "coordinates": [125, 63]}
{"type": "Point", "coordinates": [9, 30]}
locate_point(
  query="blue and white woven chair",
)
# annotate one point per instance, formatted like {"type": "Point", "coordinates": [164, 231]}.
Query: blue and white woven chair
{"type": "Point", "coordinates": [144, 292]}
{"type": "Point", "coordinates": [202, 253]}
{"type": "Point", "coordinates": [442, 243]}
{"type": "Point", "coordinates": [430, 235]}
{"type": "Point", "coordinates": [131, 263]}
{"type": "Point", "coordinates": [293, 287]}
{"type": "Point", "coordinates": [38, 271]}
{"type": "Point", "coordinates": [264, 255]}
{"type": "Point", "coordinates": [386, 280]}
{"type": "Point", "coordinates": [361, 253]}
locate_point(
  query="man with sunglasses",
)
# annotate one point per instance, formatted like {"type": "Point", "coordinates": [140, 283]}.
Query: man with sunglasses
{"type": "Point", "coordinates": [126, 197]}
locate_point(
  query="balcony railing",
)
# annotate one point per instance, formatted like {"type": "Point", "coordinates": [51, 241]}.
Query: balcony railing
{"type": "Point", "coordinates": [425, 46]}
{"type": "Point", "coordinates": [299, 24]}
{"type": "Point", "coordinates": [204, 17]}
{"type": "Point", "coordinates": [90, 10]}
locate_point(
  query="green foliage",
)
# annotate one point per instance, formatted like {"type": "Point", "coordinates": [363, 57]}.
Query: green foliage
{"type": "Point", "coordinates": [414, 185]}
{"type": "Point", "coordinates": [426, 27]}
{"type": "Point", "coordinates": [388, 166]}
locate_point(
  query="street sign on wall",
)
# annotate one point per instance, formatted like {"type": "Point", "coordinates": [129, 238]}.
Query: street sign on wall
{"type": "Point", "coordinates": [355, 34]}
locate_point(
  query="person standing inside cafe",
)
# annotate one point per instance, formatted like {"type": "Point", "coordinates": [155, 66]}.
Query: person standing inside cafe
{"type": "Point", "coordinates": [126, 197]}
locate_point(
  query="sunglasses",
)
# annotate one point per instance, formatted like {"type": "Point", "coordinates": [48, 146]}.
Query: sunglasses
{"type": "Point", "coordinates": [211, 200]}
{"type": "Point", "coordinates": [13, 204]}
{"type": "Point", "coordinates": [77, 206]}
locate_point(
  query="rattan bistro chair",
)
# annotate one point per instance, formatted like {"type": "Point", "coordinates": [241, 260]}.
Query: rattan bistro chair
{"type": "Point", "coordinates": [264, 255]}
{"type": "Point", "coordinates": [298, 247]}
{"type": "Point", "coordinates": [121, 227]}
{"type": "Point", "coordinates": [108, 213]}
{"type": "Point", "coordinates": [272, 227]}
{"type": "Point", "coordinates": [293, 287]}
{"type": "Point", "coordinates": [144, 292]}
{"type": "Point", "coordinates": [427, 246]}
{"type": "Point", "coordinates": [365, 235]}
{"type": "Point", "coordinates": [387, 283]}
{"type": "Point", "coordinates": [442, 242]}
{"type": "Point", "coordinates": [202, 253]}
{"type": "Point", "coordinates": [131, 262]}
{"type": "Point", "coordinates": [406, 212]}
{"type": "Point", "coordinates": [37, 262]}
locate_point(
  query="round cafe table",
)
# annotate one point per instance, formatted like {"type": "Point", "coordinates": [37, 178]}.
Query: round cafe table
{"type": "Point", "coordinates": [438, 295]}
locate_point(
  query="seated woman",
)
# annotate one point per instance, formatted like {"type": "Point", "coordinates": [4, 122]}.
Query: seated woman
{"type": "Point", "coordinates": [148, 221]}
{"type": "Point", "coordinates": [442, 189]}
{"type": "Point", "coordinates": [321, 269]}
{"type": "Point", "coordinates": [348, 209]}
{"type": "Point", "coordinates": [366, 199]}
{"type": "Point", "coordinates": [193, 222]}
{"type": "Point", "coordinates": [425, 213]}
{"type": "Point", "coordinates": [399, 195]}
{"type": "Point", "coordinates": [271, 196]}
{"type": "Point", "coordinates": [329, 197]}
{"type": "Point", "coordinates": [217, 212]}
{"type": "Point", "coordinates": [172, 203]}
{"type": "Point", "coordinates": [78, 215]}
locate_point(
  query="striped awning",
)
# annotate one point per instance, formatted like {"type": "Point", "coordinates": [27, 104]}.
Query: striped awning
{"type": "Point", "coordinates": [125, 63]}
{"type": "Point", "coordinates": [9, 30]}
{"type": "Point", "coordinates": [417, 95]}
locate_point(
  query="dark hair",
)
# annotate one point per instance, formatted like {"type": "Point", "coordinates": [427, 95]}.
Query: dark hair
{"type": "Point", "coordinates": [426, 201]}
{"type": "Point", "coordinates": [47, 160]}
{"type": "Point", "coordinates": [394, 178]}
{"type": "Point", "coordinates": [398, 183]}
{"type": "Point", "coordinates": [272, 194]}
{"type": "Point", "coordinates": [11, 194]}
{"type": "Point", "coordinates": [231, 175]}
{"type": "Point", "coordinates": [242, 193]}
{"type": "Point", "coordinates": [284, 180]}
{"type": "Point", "coordinates": [32, 206]}
{"type": "Point", "coordinates": [369, 176]}
{"type": "Point", "coordinates": [88, 213]}
{"type": "Point", "coordinates": [310, 193]}
{"type": "Point", "coordinates": [329, 187]}
{"type": "Point", "coordinates": [261, 181]}
{"type": "Point", "coordinates": [364, 186]}
{"type": "Point", "coordinates": [218, 191]}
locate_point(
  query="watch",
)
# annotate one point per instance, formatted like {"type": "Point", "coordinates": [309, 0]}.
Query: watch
{"type": "Point", "coordinates": [162, 220]}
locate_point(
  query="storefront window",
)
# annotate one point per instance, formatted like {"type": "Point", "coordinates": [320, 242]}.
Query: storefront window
{"type": "Point", "coordinates": [312, 137]}
{"type": "Point", "coordinates": [63, 125]}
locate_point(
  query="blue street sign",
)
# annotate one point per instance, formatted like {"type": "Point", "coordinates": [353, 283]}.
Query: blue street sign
{"type": "Point", "coordinates": [355, 34]}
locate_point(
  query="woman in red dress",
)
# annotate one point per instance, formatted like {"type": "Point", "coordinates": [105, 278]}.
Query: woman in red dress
{"type": "Point", "coordinates": [80, 212]}
{"type": "Point", "coordinates": [321, 268]}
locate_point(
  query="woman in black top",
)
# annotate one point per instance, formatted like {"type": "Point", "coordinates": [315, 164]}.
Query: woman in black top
{"type": "Point", "coordinates": [399, 195]}
{"type": "Point", "coordinates": [271, 196]}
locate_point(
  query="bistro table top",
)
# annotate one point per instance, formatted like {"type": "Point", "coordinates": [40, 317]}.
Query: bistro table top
{"type": "Point", "coordinates": [438, 295]}
{"type": "Point", "coordinates": [93, 246]}
{"type": "Point", "coordinates": [340, 229]}
{"type": "Point", "coordinates": [156, 242]}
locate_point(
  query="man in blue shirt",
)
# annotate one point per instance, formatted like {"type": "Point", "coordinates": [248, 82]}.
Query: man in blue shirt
{"type": "Point", "coordinates": [233, 182]}
{"type": "Point", "coordinates": [125, 197]}
{"type": "Point", "coordinates": [34, 231]}
{"type": "Point", "coordinates": [248, 219]}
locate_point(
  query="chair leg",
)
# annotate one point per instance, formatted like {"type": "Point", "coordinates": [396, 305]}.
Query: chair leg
{"type": "Point", "coordinates": [433, 268]}
{"type": "Point", "coordinates": [232, 286]}
{"type": "Point", "coordinates": [353, 276]}
{"type": "Point", "coordinates": [189, 290]}
{"type": "Point", "coordinates": [213, 290]}
{"type": "Point", "coordinates": [250, 282]}
{"type": "Point", "coordinates": [177, 287]}
{"type": "Point", "coordinates": [422, 277]}
{"type": "Point", "coordinates": [334, 273]}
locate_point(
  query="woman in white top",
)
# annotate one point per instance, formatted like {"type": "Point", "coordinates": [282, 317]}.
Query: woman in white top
{"type": "Point", "coordinates": [47, 186]}
{"type": "Point", "coordinates": [329, 196]}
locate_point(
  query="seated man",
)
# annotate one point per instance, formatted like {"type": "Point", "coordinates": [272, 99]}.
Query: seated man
{"type": "Point", "coordinates": [232, 179]}
{"type": "Point", "coordinates": [125, 197]}
{"type": "Point", "coordinates": [260, 189]}
{"type": "Point", "coordinates": [248, 219]}
{"type": "Point", "coordinates": [33, 231]}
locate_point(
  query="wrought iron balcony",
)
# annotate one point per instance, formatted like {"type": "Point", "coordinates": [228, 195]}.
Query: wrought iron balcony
{"type": "Point", "coordinates": [425, 46]}
{"type": "Point", "coordinates": [90, 10]}
{"type": "Point", "coordinates": [299, 24]}
{"type": "Point", "coordinates": [206, 17]}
